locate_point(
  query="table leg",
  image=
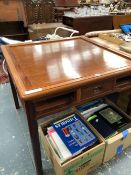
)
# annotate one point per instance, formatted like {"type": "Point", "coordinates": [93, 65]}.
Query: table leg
{"type": "Point", "coordinates": [129, 106]}
{"type": "Point", "coordinates": [14, 92]}
{"type": "Point", "coordinates": [33, 129]}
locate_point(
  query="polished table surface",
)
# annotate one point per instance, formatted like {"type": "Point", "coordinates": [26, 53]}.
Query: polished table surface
{"type": "Point", "coordinates": [50, 76]}
{"type": "Point", "coordinates": [40, 68]}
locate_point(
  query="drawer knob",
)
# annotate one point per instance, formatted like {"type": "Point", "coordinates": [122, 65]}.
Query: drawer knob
{"type": "Point", "coordinates": [97, 89]}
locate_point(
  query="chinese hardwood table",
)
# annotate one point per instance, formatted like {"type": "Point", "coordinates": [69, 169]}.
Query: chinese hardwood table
{"type": "Point", "coordinates": [50, 76]}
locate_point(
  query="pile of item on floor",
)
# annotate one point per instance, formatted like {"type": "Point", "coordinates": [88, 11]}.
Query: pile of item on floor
{"type": "Point", "coordinates": [79, 141]}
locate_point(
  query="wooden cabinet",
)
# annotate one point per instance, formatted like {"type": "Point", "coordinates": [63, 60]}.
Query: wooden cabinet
{"type": "Point", "coordinates": [12, 10]}
{"type": "Point", "coordinates": [13, 23]}
{"type": "Point", "coordinates": [88, 24]}
{"type": "Point", "coordinates": [65, 3]}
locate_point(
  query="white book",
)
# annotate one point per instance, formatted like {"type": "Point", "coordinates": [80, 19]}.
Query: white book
{"type": "Point", "coordinates": [92, 110]}
{"type": "Point", "coordinates": [58, 144]}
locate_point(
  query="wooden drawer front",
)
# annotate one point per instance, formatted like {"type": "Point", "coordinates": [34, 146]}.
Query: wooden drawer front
{"type": "Point", "coordinates": [97, 89]}
{"type": "Point", "coordinates": [123, 82]}
{"type": "Point", "coordinates": [54, 104]}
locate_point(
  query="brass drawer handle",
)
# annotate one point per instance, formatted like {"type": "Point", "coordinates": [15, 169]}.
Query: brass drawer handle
{"type": "Point", "coordinates": [97, 89]}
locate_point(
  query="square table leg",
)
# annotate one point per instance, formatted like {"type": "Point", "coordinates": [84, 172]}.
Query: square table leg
{"type": "Point", "coordinates": [33, 129]}
{"type": "Point", "coordinates": [14, 92]}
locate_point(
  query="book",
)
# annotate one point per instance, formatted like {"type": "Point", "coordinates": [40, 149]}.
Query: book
{"type": "Point", "coordinates": [114, 117]}
{"type": "Point", "coordinates": [74, 133]}
{"type": "Point", "coordinates": [89, 105]}
{"type": "Point", "coordinates": [58, 145]}
{"type": "Point", "coordinates": [110, 115]}
{"type": "Point", "coordinates": [90, 108]}
{"type": "Point", "coordinates": [108, 121]}
{"type": "Point", "coordinates": [101, 126]}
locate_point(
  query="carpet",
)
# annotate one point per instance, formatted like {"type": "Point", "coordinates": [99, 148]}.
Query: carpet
{"type": "Point", "coordinates": [3, 77]}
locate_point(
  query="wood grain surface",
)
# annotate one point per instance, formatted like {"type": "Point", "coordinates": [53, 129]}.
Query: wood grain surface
{"type": "Point", "coordinates": [43, 68]}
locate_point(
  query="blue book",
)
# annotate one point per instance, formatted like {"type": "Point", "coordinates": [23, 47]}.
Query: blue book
{"type": "Point", "coordinates": [89, 105]}
{"type": "Point", "coordinates": [74, 133]}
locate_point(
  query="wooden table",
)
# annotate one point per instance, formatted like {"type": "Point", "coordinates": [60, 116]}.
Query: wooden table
{"type": "Point", "coordinates": [51, 76]}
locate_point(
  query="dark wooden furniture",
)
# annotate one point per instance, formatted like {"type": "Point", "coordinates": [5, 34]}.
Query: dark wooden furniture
{"type": "Point", "coordinates": [59, 12]}
{"type": "Point", "coordinates": [14, 30]}
{"type": "Point", "coordinates": [95, 23]}
{"type": "Point", "coordinates": [51, 76]}
{"type": "Point", "coordinates": [12, 10]}
{"type": "Point", "coordinates": [13, 23]}
{"type": "Point", "coordinates": [39, 11]}
{"type": "Point", "coordinates": [65, 3]}
{"type": "Point", "coordinates": [91, 23]}
{"type": "Point", "coordinates": [43, 11]}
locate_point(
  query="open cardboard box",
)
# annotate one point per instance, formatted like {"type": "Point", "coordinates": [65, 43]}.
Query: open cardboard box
{"type": "Point", "coordinates": [80, 164]}
{"type": "Point", "coordinates": [117, 143]}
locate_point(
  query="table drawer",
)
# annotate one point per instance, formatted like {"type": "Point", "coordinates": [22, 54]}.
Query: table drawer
{"type": "Point", "coordinates": [54, 104]}
{"type": "Point", "coordinates": [123, 82]}
{"type": "Point", "coordinates": [97, 89]}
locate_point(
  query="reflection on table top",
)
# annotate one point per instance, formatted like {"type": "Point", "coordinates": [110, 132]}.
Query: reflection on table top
{"type": "Point", "coordinates": [45, 66]}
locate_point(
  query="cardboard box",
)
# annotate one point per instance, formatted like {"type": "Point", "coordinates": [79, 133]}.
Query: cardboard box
{"type": "Point", "coordinates": [39, 30]}
{"type": "Point", "coordinates": [117, 143]}
{"type": "Point", "coordinates": [80, 164]}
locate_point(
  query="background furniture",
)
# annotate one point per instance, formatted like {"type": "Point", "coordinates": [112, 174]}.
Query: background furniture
{"type": "Point", "coordinates": [65, 3]}
{"type": "Point", "coordinates": [96, 23]}
{"type": "Point", "coordinates": [124, 19]}
{"type": "Point", "coordinates": [40, 11]}
{"type": "Point", "coordinates": [12, 10]}
{"type": "Point", "coordinates": [59, 12]}
{"type": "Point", "coordinates": [13, 21]}
{"type": "Point", "coordinates": [112, 45]}
{"type": "Point", "coordinates": [89, 23]}
{"type": "Point", "coordinates": [14, 30]}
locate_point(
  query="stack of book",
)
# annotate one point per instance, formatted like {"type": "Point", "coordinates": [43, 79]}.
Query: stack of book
{"type": "Point", "coordinates": [104, 118]}
{"type": "Point", "coordinates": [90, 108]}
{"type": "Point", "coordinates": [108, 121]}
{"type": "Point", "coordinates": [69, 136]}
